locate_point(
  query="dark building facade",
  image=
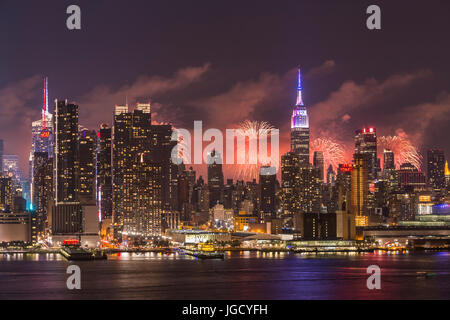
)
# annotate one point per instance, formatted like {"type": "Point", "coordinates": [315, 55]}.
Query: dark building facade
{"type": "Point", "coordinates": [436, 168]}
{"type": "Point", "coordinates": [66, 160]}
{"type": "Point", "coordinates": [318, 163]}
{"type": "Point", "coordinates": [319, 226]}
{"type": "Point", "coordinates": [160, 152]}
{"type": "Point", "coordinates": [388, 160]}
{"type": "Point", "coordinates": [267, 185]}
{"type": "Point", "coordinates": [410, 177]}
{"type": "Point", "coordinates": [290, 167]}
{"type": "Point", "coordinates": [215, 178]}
{"type": "Point", "coordinates": [66, 218]}
{"type": "Point", "coordinates": [42, 185]}
{"type": "Point", "coordinates": [1, 156]}
{"type": "Point", "coordinates": [66, 213]}
{"type": "Point", "coordinates": [331, 175]}
{"type": "Point", "coordinates": [87, 166]}
{"type": "Point", "coordinates": [6, 194]}
{"type": "Point", "coordinates": [104, 171]}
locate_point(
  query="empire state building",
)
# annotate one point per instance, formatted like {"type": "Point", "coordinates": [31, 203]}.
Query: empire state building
{"type": "Point", "coordinates": [300, 127]}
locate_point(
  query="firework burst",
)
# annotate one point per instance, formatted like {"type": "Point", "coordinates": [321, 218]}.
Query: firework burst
{"type": "Point", "coordinates": [254, 130]}
{"type": "Point", "coordinates": [402, 148]}
{"type": "Point", "coordinates": [333, 153]}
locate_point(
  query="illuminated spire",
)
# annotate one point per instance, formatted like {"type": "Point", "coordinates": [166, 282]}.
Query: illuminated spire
{"type": "Point", "coordinates": [447, 171]}
{"type": "Point", "coordinates": [299, 90]}
{"type": "Point", "coordinates": [299, 117]}
{"type": "Point", "coordinates": [45, 105]}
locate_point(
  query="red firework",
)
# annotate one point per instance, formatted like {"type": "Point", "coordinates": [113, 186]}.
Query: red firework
{"type": "Point", "coordinates": [404, 151]}
{"type": "Point", "coordinates": [333, 152]}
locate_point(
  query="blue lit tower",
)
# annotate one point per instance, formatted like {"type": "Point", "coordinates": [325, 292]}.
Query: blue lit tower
{"type": "Point", "coordinates": [300, 127]}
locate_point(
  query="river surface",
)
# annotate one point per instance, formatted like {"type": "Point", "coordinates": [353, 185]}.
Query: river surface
{"type": "Point", "coordinates": [247, 275]}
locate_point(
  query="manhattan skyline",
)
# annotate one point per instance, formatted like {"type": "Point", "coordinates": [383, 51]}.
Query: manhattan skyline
{"type": "Point", "coordinates": [346, 86]}
{"type": "Point", "coordinates": [204, 150]}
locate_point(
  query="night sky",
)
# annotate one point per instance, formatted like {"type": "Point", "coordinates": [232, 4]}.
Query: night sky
{"type": "Point", "coordinates": [226, 61]}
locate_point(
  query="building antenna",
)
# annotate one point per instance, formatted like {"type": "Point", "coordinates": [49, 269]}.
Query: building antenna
{"type": "Point", "coordinates": [299, 89]}
{"type": "Point", "coordinates": [45, 104]}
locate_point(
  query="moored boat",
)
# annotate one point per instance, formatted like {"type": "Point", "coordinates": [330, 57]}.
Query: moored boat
{"type": "Point", "coordinates": [204, 251]}
{"type": "Point", "coordinates": [72, 250]}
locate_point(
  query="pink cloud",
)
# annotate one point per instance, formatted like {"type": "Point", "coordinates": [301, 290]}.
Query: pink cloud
{"type": "Point", "coordinates": [326, 68]}
{"type": "Point", "coordinates": [100, 101]}
{"type": "Point", "coordinates": [239, 102]}
{"type": "Point", "coordinates": [16, 114]}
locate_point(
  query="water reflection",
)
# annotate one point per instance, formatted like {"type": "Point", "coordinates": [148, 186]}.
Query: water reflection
{"type": "Point", "coordinates": [242, 275]}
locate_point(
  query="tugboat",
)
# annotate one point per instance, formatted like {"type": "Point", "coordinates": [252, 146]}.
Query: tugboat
{"type": "Point", "coordinates": [72, 250]}
{"type": "Point", "coordinates": [204, 251]}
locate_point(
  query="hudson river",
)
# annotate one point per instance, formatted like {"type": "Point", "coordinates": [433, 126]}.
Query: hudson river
{"type": "Point", "coordinates": [240, 276]}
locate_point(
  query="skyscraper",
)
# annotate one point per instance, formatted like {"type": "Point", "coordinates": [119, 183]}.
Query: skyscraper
{"type": "Point", "coordinates": [360, 188]}
{"type": "Point", "coordinates": [66, 217]}
{"type": "Point", "coordinates": [309, 189]}
{"type": "Point", "coordinates": [345, 219]}
{"type": "Point", "coordinates": [104, 172]}
{"type": "Point", "coordinates": [41, 135]}
{"type": "Point", "coordinates": [183, 196]}
{"type": "Point", "coordinates": [144, 107]}
{"type": "Point", "coordinates": [389, 172]}
{"type": "Point", "coordinates": [145, 220]}
{"type": "Point", "coordinates": [42, 186]}
{"type": "Point", "coordinates": [87, 160]}
{"type": "Point", "coordinates": [436, 168]}
{"type": "Point", "coordinates": [215, 178]}
{"type": "Point", "coordinates": [388, 159]}
{"type": "Point", "coordinates": [410, 177]}
{"type": "Point", "coordinates": [301, 186]}
{"type": "Point", "coordinates": [122, 160]}
{"type": "Point", "coordinates": [331, 175]}
{"type": "Point", "coordinates": [366, 143]}
{"type": "Point", "coordinates": [228, 194]}
{"type": "Point", "coordinates": [137, 179]}
{"type": "Point", "coordinates": [6, 194]}
{"type": "Point", "coordinates": [66, 161]}
{"type": "Point", "coordinates": [318, 163]}
{"type": "Point", "coordinates": [11, 169]}
{"type": "Point", "coordinates": [267, 181]}
{"type": "Point", "coordinates": [161, 148]}
{"type": "Point", "coordinates": [290, 167]}
{"type": "Point", "coordinates": [300, 127]}
{"type": "Point", "coordinates": [1, 157]}
{"type": "Point", "coordinates": [447, 174]}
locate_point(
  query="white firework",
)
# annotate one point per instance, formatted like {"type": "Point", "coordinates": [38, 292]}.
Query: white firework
{"type": "Point", "coordinates": [254, 130]}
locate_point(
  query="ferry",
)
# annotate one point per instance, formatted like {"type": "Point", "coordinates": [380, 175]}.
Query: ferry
{"type": "Point", "coordinates": [204, 251]}
{"type": "Point", "coordinates": [72, 250]}
{"type": "Point", "coordinates": [393, 246]}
